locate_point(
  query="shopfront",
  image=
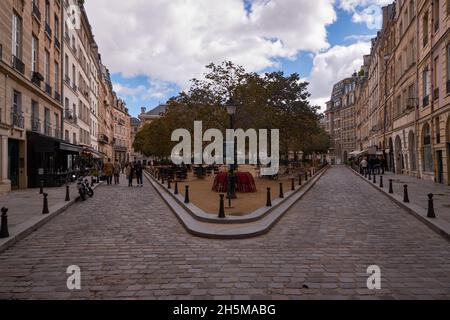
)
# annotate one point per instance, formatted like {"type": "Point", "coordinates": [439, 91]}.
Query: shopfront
{"type": "Point", "coordinates": [49, 160]}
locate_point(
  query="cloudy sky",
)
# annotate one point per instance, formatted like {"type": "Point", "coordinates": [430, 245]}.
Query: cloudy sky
{"type": "Point", "coordinates": [154, 47]}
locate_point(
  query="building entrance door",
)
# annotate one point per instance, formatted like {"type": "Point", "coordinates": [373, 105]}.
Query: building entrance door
{"type": "Point", "coordinates": [13, 163]}
{"type": "Point", "coordinates": [440, 163]}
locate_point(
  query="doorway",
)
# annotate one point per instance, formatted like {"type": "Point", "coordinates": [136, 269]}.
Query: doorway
{"type": "Point", "coordinates": [13, 163]}
{"type": "Point", "coordinates": [440, 164]}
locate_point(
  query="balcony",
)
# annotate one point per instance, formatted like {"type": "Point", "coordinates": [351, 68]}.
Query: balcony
{"type": "Point", "coordinates": [67, 79]}
{"type": "Point", "coordinates": [35, 125]}
{"type": "Point", "coordinates": [67, 38]}
{"type": "Point", "coordinates": [48, 30]}
{"type": "Point", "coordinates": [68, 114]}
{"type": "Point", "coordinates": [57, 43]}
{"type": "Point", "coordinates": [17, 119]}
{"type": "Point", "coordinates": [48, 89]}
{"type": "Point", "coordinates": [104, 139]}
{"type": "Point", "coordinates": [36, 12]}
{"type": "Point", "coordinates": [36, 78]}
{"type": "Point", "coordinates": [426, 101]}
{"type": "Point", "coordinates": [57, 133]}
{"type": "Point", "coordinates": [57, 96]}
{"type": "Point", "coordinates": [436, 94]}
{"type": "Point", "coordinates": [47, 129]}
{"type": "Point", "coordinates": [74, 87]}
{"type": "Point", "coordinates": [18, 64]}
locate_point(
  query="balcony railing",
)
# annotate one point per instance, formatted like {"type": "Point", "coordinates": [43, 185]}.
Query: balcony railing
{"type": "Point", "coordinates": [36, 12]}
{"type": "Point", "coordinates": [57, 96]}
{"type": "Point", "coordinates": [48, 89]}
{"type": "Point", "coordinates": [436, 94]}
{"type": "Point", "coordinates": [74, 87]}
{"type": "Point", "coordinates": [35, 125]}
{"type": "Point", "coordinates": [17, 119]}
{"type": "Point", "coordinates": [47, 129]}
{"type": "Point", "coordinates": [48, 30]}
{"type": "Point", "coordinates": [67, 79]}
{"type": "Point", "coordinates": [57, 133]}
{"type": "Point", "coordinates": [36, 78]}
{"type": "Point", "coordinates": [57, 44]}
{"type": "Point", "coordinates": [18, 64]}
{"type": "Point", "coordinates": [104, 139]}
{"type": "Point", "coordinates": [426, 101]}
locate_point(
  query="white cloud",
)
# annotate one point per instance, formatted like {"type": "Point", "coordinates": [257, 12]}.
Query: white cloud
{"type": "Point", "coordinates": [172, 41]}
{"type": "Point", "coordinates": [331, 66]}
{"type": "Point", "coordinates": [365, 11]}
{"type": "Point", "coordinates": [144, 92]}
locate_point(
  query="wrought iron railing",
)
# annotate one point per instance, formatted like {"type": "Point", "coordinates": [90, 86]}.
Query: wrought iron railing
{"type": "Point", "coordinates": [18, 64]}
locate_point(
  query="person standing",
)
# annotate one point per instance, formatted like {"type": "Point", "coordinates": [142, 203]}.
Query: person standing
{"type": "Point", "coordinates": [129, 171]}
{"type": "Point", "coordinates": [109, 171]}
{"type": "Point", "coordinates": [363, 165]}
{"type": "Point", "coordinates": [139, 170]}
{"type": "Point", "coordinates": [116, 173]}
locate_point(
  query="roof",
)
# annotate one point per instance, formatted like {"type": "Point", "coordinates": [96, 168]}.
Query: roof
{"type": "Point", "coordinates": [159, 110]}
{"type": "Point", "coordinates": [135, 121]}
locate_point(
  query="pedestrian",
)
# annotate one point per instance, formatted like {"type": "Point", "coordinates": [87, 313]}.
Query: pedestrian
{"type": "Point", "coordinates": [109, 171]}
{"type": "Point", "coordinates": [117, 169]}
{"type": "Point", "coordinates": [363, 165]}
{"type": "Point", "coordinates": [139, 170]}
{"type": "Point", "coordinates": [129, 171]}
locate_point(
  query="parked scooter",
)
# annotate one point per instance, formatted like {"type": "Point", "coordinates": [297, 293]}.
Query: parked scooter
{"type": "Point", "coordinates": [84, 189]}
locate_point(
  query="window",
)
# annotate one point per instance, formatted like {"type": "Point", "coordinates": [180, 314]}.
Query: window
{"type": "Point", "coordinates": [66, 67]}
{"type": "Point", "coordinates": [47, 126]}
{"type": "Point", "coordinates": [17, 36]}
{"type": "Point", "coordinates": [74, 76]}
{"type": "Point", "coordinates": [56, 27]}
{"type": "Point", "coordinates": [425, 29]}
{"type": "Point", "coordinates": [426, 85]}
{"type": "Point", "coordinates": [47, 67]}
{"type": "Point", "coordinates": [34, 54]}
{"type": "Point", "coordinates": [47, 12]}
{"type": "Point", "coordinates": [17, 117]}
{"type": "Point", "coordinates": [436, 15]}
{"type": "Point", "coordinates": [56, 75]}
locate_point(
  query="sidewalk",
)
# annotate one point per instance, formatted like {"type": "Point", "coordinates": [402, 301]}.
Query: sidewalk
{"type": "Point", "coordinates": [418, 191]}
{"type": "Point", "coordinates": [25, 210]}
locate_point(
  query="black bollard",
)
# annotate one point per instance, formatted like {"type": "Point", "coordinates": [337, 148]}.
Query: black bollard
{"type": "Point", "coordinates": [162, 180]}
{"type": "Point", "coordinates": [431, 214]}
{"type": "Point", "coordinates": [370, 176]}
{"type": "Point", "coordinates": [186, 196]}
{"type": "Point", "coordinates": [306, 176]}
{"type": "Point", "coordinates": [405, 194]}
{"type": "Point", "coordinates": [222, 207]}
{"type": "Point", "coordinates": [293, 184]}
{"type": "Point", "coordinates": [281, 191]}
{"type": "Point", "coordinates": [381, 182]}
{"type": "Point", "coordinates": [45, 207]}
{"type": "Point", "coordinates": [41, 189]}
{"type": "Point", "coordinates": [169, 186]}
{"type": "Point", "coordinates": [391, 188]}
{"type": "Point", "coordinates": [4, 233]}
{"type": "Point", "coordinates": [269, 201]}
{"type": "Point", "coordinates": [67, 193]}
{"type": "Point", "coordinates": [176, 188]}
{"type": "Point", "coordinates": [299, 179]}
{"type": "Point", "coordinates": [310, 173]}
{"type": "Point", "coordinates": [374, 179]}
{"type": "Point", "coordinates": [92, 182]}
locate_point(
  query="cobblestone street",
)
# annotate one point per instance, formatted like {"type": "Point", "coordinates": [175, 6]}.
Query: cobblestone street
{"type": "Point", "coordinates": [128, 244]}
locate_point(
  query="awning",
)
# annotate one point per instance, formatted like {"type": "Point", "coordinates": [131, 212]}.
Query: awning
{"type": "Point", "coordinates": [94, 153]}
{"type": "Point", "coordinates": [40, 143]}
{"type": "Point", "coordinates": [354, 153]}
{"type": "Point", "coordinates": [70, 147]}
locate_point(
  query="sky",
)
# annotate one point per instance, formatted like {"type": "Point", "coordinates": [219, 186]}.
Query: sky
{"type": "Point", "coordinates": [153, 48]}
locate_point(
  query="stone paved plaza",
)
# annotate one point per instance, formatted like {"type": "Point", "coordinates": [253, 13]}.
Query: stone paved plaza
{"type": "Point", "coordinates": [128, 244]}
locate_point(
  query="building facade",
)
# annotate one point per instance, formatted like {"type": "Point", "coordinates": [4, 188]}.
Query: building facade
{"type": "Point", "coordinates": [404, 109]}
{"type": "Point", "coordinates": [53, 93]}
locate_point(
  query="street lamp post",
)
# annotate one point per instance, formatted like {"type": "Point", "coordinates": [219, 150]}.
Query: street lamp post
{"type": "Point", "coordinates": [231, 192]}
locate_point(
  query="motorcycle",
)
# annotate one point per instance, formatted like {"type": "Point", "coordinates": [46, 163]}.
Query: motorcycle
{"type": "Point", "coordinates": [84, 189]}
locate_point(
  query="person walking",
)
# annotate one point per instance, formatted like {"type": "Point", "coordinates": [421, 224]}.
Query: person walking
{"type": "Point", "coordinates": [139, 170]}
{"type": "Point", "coordinates": [129, 171]}
{"type": "Point", "coordinates": [117, 173]}
{"type": "Point", "coordinates": [363, 165]}
{"type": "Point", "coordinates": [109, 171]}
